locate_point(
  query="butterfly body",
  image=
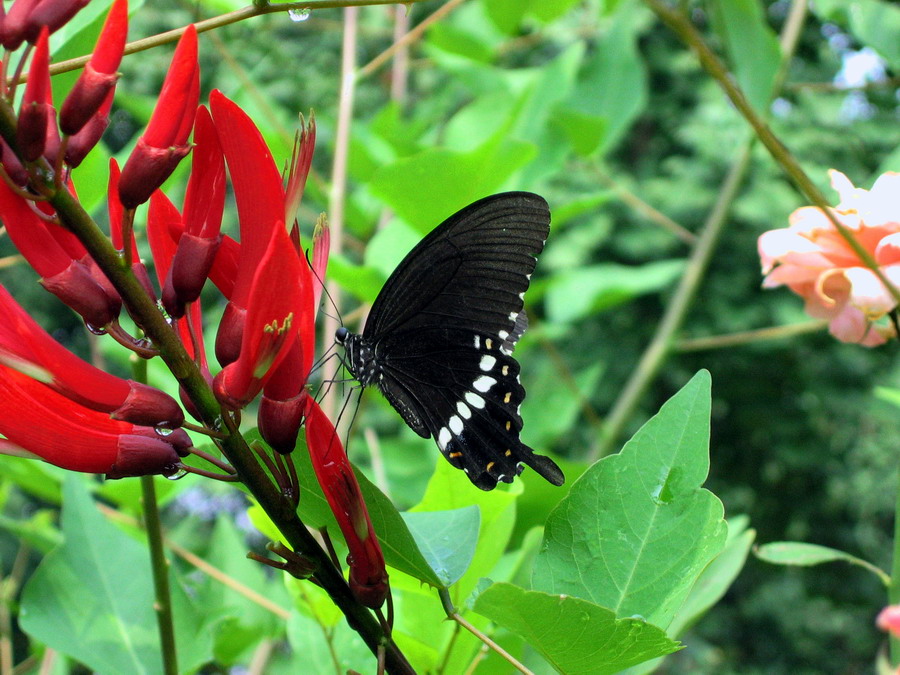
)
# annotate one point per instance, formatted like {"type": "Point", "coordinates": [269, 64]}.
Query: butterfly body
{"type": "Point", "coordinates": [439, 339]}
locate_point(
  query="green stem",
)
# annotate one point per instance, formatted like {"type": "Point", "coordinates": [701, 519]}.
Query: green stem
{"type": "Point", "coordinates": [894, 587]}
{"type": "Point", "coordinates": [219, 22]}
{"type": "Point", "coordinates": [158, 563]}
{"type": "Point", "coordinates": [163, 605]}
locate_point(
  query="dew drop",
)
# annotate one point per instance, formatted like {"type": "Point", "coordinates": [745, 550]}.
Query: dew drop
{"type": "Point", "coordinates": [94, 329]}
{"type": "Point", "coordinates": [163, 431]}
{"type": "Point", "coordinates": [178, 475]}
{"type": "Point", "coordinates": [298, 15]}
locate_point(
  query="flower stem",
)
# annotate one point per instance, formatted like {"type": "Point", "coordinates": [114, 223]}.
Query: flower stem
{"type": "Point", "coordinates": [894, 587]}
{"type": "Point", "coordinates": [159, 565]}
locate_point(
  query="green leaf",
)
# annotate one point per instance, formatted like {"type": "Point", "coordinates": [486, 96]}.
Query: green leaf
{"type": "Point", "coordinates": [447, 539]}
{"type": "Point", "coordinates": [37, 530]}
{"type": "Point", "coordinates": [807, 555]}
{"type": "Point", "coordinates": [449, 489]}
{"type": "Point", "coordinates": [636, 529]}
{"type": "Point", "coordinates": [92, 598]}
{"type": "Point", "coordinates": [752, 47]}
{"type": "Point", "coordinates": [575, 294]}
{"type": "Point", "coordinates": [363, 282]}
{"type": "Point", "coordinates": [451, 179]}
{"type": "Point", "coordinates": [612, 87]}
{"type": "Point", "coordinates": [576, 636]}
{"type": "Point", "coordinates": [715, 580]}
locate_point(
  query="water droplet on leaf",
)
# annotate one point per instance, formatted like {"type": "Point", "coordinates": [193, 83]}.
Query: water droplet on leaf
{"type": "Point", "coordinates": [298, 15]}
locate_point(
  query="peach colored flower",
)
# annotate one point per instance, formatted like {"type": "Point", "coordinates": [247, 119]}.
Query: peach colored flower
{"type": "Point", "coordinates": [812, 259]}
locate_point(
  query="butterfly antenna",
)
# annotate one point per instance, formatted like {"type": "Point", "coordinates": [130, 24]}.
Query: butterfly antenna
{"type": "Point", "coordinates": [325, 291]}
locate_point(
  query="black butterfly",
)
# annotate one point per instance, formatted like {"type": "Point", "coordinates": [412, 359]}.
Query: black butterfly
{"type": "Point", "coordinates": [439, 339]}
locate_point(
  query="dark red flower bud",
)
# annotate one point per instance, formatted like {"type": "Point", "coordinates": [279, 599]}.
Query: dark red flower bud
{"type": "Point", "coordinates": [228, 337]}
{"type": "Point", "coordinates": [77, 288]}
{"type": "Point", "coordinates": [279, 421]}
{"type": "Point", "coordinates": [190, 268]}
{"type": "Point", "coordinates": [83, 142]}
{"type": "Point", "coordinates": [52, 14]}
{"type": "Point", "coordinates": [35, 109]}
{"type": "Point", "coordinates": [165, 141]}
{"type": "Point", "coordinates": [149, 406]}
{"type": "Point", "coordinates": [15, 23]}
{"type": "Point", "coordinates": [99, 76]}
{"type": "Point", "coordinates": [13, 165]}
{"type": "Point", "coordinates": [140, 455]}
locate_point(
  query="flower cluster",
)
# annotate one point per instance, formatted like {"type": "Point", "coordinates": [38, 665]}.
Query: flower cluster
{"type": "Point", "coordinates": [813, 259]}
{"type": "Point", "coordinates": [81, 418]}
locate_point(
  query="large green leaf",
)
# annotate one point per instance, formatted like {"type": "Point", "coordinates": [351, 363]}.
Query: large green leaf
{"type": "Point", "coordinates": [92, 598]}
{"type": "Point", "coordinates": [752, 47]}
{"type": "Point", "coordinates": [637, 529]}
{"type": "Point", "coordinates": [576, 636]}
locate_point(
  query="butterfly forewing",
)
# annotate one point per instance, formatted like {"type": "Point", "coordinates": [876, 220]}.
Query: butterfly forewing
{"type": "Point", "coordinates": [439, 337]}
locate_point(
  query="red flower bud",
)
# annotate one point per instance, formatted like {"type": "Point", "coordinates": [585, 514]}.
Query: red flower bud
{"type": "Point", "coordinates": [165, 141]}
{"type": "Point", "coordinates": [35, 110]}
{"type": "Point", "coordinates": [99, 77]}
{"type": "Point", "coordinates": [368, 577]}
{"type": "Point", "coordinates": [81, 143]}
{"type": "Point", "coordinates": [15, 23]}
{"type": "Point", "coordinates": [52, 14]}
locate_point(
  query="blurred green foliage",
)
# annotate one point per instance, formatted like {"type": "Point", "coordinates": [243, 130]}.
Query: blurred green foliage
{"type": "Point", "coordinates": [579, 101]}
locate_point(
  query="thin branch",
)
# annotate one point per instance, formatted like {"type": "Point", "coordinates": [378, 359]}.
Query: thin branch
{"type": "Point", "coordinates": [749, 336]}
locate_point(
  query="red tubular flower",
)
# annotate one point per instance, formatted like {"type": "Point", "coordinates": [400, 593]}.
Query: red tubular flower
{"type": "Point", "coordinates": [277, 305]}
{"type": "Point", "coordinates": [73, 437]}
{"type": "Point", "coordinates": [259, 195]}
{"type": "Point", "coordinates": [204, 203]}
{"type": "Point", "coordinates": [99, 76]}
{"type": "Point", "coordinates": [36, 104]}
{"type": "Point", "coordinates": [24, 341]}
{"type": "Point", "coordinates": [321, 245]}
{"type": "Point", "coordinates": [82, 143]}
{"type": "Point", "coordinates": [368, 577]}
{"type": "Point", "coordinates": [67, 278]}
{"type": "Point", "coordinates": [165, 141]}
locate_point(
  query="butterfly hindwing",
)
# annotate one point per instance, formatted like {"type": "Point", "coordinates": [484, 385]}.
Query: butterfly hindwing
{"type": "Point", "coordinates": [439, 338]}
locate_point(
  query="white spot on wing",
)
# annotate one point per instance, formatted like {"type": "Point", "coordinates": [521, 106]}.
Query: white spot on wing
{"type": "Point", "coordinates": [484, 383]}
{"type": "Point", "coordinates": [503, 334]}
{"type": "Point", "coordinates": [487, 362]}
{"type": "Point", "coordinates": [456, 425]}
{"type": "Point", "coordinates": [512, 316]}
{"type": "Point", "coordinates": [474, 400]}
{"type": "Point", "coordinates": [463, 410]}
{"type": "Point", "coordinates": [477, 342]}
{"type": "Point", "coordinates": [443, 438]}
